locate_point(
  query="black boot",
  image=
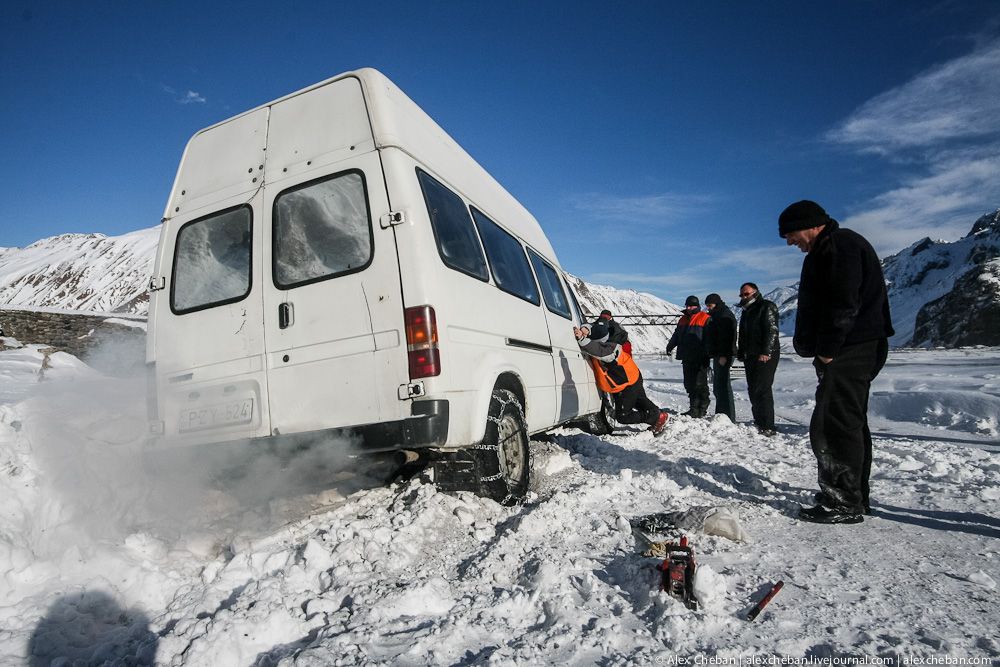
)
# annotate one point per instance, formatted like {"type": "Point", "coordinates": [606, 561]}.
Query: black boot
{"type": "Point", "coordinates": [821, 514]}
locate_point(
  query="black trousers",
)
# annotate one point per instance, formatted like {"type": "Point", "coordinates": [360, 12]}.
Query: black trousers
{"type": "Point", "coordinates": [760, 379]}
{"type": "Point", "coordinates": [696, 386]}
{"type": "Point", "coordinates": [632, 406]}
{"type": "Point", "coordinates": [722, 388]}
{"type": "Point", "coordinates": [838, 431]}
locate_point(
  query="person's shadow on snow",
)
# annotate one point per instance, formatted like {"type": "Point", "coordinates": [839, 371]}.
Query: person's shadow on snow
{"type": "Point", "coordinates": [728, 482]}
{"type": "Point", "coordinates": [90, 628]}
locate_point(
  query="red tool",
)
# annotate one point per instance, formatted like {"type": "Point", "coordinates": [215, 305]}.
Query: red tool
{"type": "Point", "coordinates": [759, 607]}
{"type": "Point", "coordinates": [678, 572]}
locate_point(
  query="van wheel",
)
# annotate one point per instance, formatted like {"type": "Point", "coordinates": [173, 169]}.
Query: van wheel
{"type": "Point", "coordinates": [502, 459]}
{"type": "Point", "coordinates": [603, 422]}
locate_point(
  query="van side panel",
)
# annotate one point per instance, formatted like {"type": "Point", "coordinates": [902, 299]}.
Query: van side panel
{"type": "Point", "coordinates": [482, 329]}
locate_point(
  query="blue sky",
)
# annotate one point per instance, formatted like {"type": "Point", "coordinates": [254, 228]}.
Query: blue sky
{"type": "Point", "coordinates": [656, 142]}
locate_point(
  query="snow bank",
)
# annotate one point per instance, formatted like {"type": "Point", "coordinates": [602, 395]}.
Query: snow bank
{"type": "Point", "coordinates": [97, 564]}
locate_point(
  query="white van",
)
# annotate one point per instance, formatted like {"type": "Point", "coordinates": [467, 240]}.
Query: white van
{"type": "Point", "coordinates": [334, 260]}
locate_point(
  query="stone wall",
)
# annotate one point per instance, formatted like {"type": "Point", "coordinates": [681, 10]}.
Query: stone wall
{"type": "Point", "coordinates": [91, 337]}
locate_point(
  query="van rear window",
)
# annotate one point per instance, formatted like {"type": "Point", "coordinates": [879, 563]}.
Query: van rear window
{"type": "Point", "coordinates": [552, 291]}
{"type": "Point", "coordinates": [507, 260]}
{"type": "Point", "coordinates": [212, 261]}
{"type": "Point", "coordinates": [322, 229]}
{"type": "Point", "coordinates": [456, 239]}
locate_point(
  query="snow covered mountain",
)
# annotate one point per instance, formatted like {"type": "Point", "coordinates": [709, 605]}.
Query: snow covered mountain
{"type": "Point", "coordinates": [94, 272]}
{"type": "Point", "coordinates": [88, 272]}
{"type": "Point", "coordinates": [645, 339]}
{"type": "Point", "coordinates": [942, 293]}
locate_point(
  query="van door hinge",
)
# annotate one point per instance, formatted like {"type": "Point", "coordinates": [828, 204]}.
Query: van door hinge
{"type": "Point", "coordinates": [411, 390]}
{"type": "Point", "coordinates": [156, 283]}
{"type": "Point", "coordinates": [391, 219]}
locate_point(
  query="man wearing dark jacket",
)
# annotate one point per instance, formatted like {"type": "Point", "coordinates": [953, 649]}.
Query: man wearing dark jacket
{"type": "Point", "coordinates": [689, 339]}
{"type": "Point", "coordinates": [759, 351]}
{"type": "Point", "coordinates": [720, 340]}
{"type": "Point", "coordinates": [843, 322]}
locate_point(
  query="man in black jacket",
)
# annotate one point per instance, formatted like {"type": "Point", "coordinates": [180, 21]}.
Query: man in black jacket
{"type": "Point", "coordinates": [720, 339]}
{"type": "Point", "coordinates": [843, 322]}
{"type": "Point", "coordinates": [758, 349]}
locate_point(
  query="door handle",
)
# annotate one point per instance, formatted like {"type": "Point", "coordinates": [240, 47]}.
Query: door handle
{"type": "Point", "coordinates": [285, 315]}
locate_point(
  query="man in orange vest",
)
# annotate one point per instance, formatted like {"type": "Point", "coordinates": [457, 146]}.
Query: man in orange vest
{"type": "Point", "coordinates": [689, 339]}
{"type": "Point", "coordinates": [617, 374]}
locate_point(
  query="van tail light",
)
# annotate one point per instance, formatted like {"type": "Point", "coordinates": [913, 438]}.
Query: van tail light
{"type": "Point", "coordinates": [422, 342]}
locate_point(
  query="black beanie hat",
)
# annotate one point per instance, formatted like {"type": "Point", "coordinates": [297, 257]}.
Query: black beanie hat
{"type": "Point", "coordinates": [803, 214]}
{"type": "Point", "coordinates": [713, 298]}
{"type": "Point", "coordinates": [598, 330]}
{"type": "Point", "coordinates": [692, 301]}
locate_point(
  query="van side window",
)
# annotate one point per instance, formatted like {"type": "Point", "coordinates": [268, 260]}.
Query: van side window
{"type": "Point", "coordinates": [576, 304]}
{"type": "Point", "coordinates": [456, 239]}
{"type": "Point", "coordinates": [322, 229]}
{"type": "Point", "coordinates": [507, 260]}
{"type": "Point", "coordinates": [212, 261]}
{"type": "Point", "coordinates": [552, 291]}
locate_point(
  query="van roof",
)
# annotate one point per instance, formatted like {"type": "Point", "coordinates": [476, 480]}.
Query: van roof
{"type": "Point", "coordinates": [398, 122]}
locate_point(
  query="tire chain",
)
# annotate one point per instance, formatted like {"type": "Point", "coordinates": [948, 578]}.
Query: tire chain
{"type": "Point", "coordinates": [496, 448]}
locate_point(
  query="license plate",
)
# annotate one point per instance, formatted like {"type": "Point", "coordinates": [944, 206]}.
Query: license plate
{"type": "Point", "coordinates": [213, 416]}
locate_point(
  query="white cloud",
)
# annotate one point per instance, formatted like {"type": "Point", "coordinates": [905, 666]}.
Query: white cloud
{"type": "Point", "coordinates": [657, 210]}
{"type": "Point", "coordinates": [942, 205]}
{"type": "Point", "coordinates": [189, 97]}
{"type": "Point", "coordinates": [944, 125]}
{"type": "Point", "coordinates": [957, 100]}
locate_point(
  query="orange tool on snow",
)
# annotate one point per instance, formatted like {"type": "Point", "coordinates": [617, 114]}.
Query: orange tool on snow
{"type": "Point", "coordinates": [759, 607]}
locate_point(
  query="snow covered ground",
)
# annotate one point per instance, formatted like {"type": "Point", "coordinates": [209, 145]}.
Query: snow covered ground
{"type": "Point", "coordinates": [100, 562]}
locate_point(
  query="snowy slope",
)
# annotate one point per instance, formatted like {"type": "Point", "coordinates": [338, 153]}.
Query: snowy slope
{"type": "Point", "coordinates": [927, 271]}
{"type": "Point", "coordinates": [90, 272]}
{"type": "Point", "coordinates": [103, 564]}
{"type": "Point", "coordinates": [645, 339]}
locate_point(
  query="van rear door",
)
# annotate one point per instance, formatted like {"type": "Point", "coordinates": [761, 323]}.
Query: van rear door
{"type": "Point", "coordinates": [205, 336]}
{"type": "Point", "coordinates": [333, 311]}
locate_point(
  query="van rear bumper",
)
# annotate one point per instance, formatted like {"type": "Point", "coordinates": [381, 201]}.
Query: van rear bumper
{"type": "Point", "coordinates": [428, 427]}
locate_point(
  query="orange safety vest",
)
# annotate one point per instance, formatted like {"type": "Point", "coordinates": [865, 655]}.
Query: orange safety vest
{"type": "Point", "coordinates": [604, 381]}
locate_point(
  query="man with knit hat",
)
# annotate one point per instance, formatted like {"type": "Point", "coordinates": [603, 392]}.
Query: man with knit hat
{"type": "Point", "coordinates": [843, 322]}
{"type": "Point", "coordinates": [617, 332]}
{"type": "Point", "coordinates": [720, 340]}
{"type": "Point", "coordinates": [689, 339]}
